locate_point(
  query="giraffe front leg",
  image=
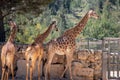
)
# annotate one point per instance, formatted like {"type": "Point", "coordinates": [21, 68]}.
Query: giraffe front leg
{"type": "Point", "coordinates": [64, 71]}
{"type": "Point", "coordinates": [48, 64]}
{"type": "Point", "coordinates": [47, 76]}
{"type": "Point", "coordinates": [69, 61]}
{"type": "Point", "coordinates": [47, 71]}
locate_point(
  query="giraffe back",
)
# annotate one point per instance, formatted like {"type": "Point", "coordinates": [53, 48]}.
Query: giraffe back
{"type": "Point", "coordinates": [62, 45]}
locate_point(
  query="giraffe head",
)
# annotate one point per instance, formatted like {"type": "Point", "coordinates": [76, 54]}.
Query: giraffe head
{"type": "Point", "coordinates": [12, 24]}
{"type": "Point", "coordinates": [93, 14]}
{"type": "Point", "coordinates": [54, 25]}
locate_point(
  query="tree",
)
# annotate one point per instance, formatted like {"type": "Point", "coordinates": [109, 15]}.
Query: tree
{"type": "Point", "coordinates": [25, 7]}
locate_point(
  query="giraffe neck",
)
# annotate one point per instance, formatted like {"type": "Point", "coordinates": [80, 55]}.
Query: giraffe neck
{"type": "Point", "coordinates": [12, 34]}
{"type": "Point", "coordinates": [83, 21]}
{"type": "Point", "coordinates": [75, 31]}
{"type": "Point", "coordinates": [41, 37]}
{"type": "Point", "coordinates": [80, 26]}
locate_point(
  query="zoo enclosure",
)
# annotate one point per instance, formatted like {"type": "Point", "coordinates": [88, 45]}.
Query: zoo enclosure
{"type": "Point", "coordinates": [110, 57]}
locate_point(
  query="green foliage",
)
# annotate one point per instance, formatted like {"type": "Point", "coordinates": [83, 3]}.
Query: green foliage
{"type": "Point", "coordinates": [24, 6]}
{"type": "Point", "coordinates": [68, 13]}
{"type": "Point", "coordinates": [107, 25]}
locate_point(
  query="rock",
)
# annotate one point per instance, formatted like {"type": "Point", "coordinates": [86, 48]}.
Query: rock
{"type": "Point", "coordinates": [58, 59]}
{"type": "Point", "coordinates": [75, 67]}
{"type": "Point", "coordinates": [83, 54]}
{"type": "Point", "coordinates": [84, 72]}
{"type": "Point", "coordinates": [56, 70]}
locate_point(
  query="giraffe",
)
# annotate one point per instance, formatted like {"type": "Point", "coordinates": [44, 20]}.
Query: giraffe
{"type": "Point", "coordinates": [34, 51]}
{"type": "Point", "coordinates": [65, 44]}
{"type": "Point", "coordinates": [8, 53]}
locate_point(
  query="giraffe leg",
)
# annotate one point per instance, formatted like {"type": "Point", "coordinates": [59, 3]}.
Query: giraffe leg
{"type": "Point", "coordinates": [3, 61]}
{"type": "Point", "coordinates": [64, 70]}
{"type": "Point", "coordinates": [47, 66]}
{"type": "Point", "coordinates": [46, 71]}
{"type": "Point", "coordinates": [68, 65]}
{"type": "Point", "coordinates": [31, 72]}
{"type": "Point", "coordinates": [5, 77]}
{"type": "Point", "coordinates": [39, 67]}
{"type": "Point", "coordinates": [7, 74]}
{"type": "Point", "coordinates": [39, 63]}
{"type": "Point", "coordinates": [43, 67]}
{"type": "Point", "coordinates": [12, 70]}
{"type": "Point", "coordinates": [3, 73]}
{"type": "Point", "coordinates": [27, 69]}
{"type": "Point", "coordinates": [69, 60]}
{"type": "Point", "coordinates": [32, 67]}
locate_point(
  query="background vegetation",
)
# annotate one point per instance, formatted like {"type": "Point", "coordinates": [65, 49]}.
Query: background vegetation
{"type": "Point", "coordinates": [68, 13]}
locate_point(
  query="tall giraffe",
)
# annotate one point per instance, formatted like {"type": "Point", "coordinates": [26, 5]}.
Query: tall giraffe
{"type": "Point", "coordinates": [65, 44]}
{"type": "Point", "coordinates": [8, 53]}
{"type": "Point", "coordinates": [34, 51]}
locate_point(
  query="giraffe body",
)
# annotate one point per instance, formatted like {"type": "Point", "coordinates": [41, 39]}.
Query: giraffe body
{"type": "Point", "coordinates": [66, 45]}
{"type": "Point", "coordinates": [62, 45]}
{"type": "Point", "coordinates": [8, 53]}
{"type": "Point", "coordinates": [34, 52]}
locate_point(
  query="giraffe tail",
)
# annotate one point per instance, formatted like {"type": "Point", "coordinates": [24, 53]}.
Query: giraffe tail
{"type": "Point", "coordinates": [5, 65]}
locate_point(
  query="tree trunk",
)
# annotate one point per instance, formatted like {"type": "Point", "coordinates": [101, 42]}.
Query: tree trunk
{"type": "Point", "coordinates": [2, 31]}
